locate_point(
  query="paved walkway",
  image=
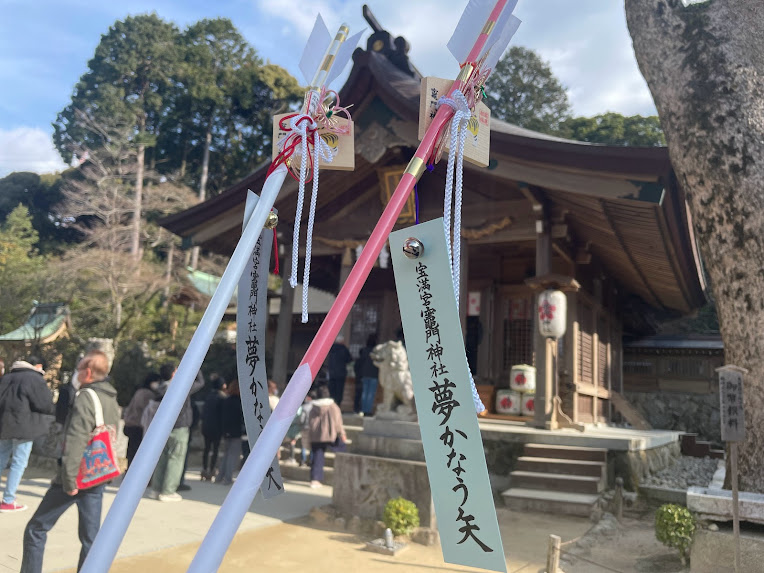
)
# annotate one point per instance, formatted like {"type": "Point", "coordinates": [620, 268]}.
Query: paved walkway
{"type": "Point", "coordinates": [164, 537]}
{"type": "Point", "coordinates": [156, 525]}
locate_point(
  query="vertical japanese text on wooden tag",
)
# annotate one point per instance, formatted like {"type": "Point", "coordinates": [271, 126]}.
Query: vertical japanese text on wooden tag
{"type": "Point", "coordinates": [342, 146]}
{"type": "Point", "coordinates": [251, 316]}
{"type": "Point", "coordinates": [731, 403]}
{"type": "Point", "coordinates": [478, 142]}
{"type": "Point", "coordinates": [453, 447]}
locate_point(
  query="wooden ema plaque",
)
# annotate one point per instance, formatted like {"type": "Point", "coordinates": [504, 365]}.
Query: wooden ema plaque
{"type": "Point", "coordinates": [341, 145]}
{"type": "Point", "coordinates": [478, 141]}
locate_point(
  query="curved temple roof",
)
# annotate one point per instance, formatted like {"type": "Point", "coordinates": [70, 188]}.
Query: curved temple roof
{"type": "Point", "coordinates": [623, 203]}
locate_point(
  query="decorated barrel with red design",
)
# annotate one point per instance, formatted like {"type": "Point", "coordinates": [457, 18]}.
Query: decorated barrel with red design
{"type": "Point", "coordinates": [552, 313]}
{"type": "Point", "coordinates": [508, 402]}
{"type": "Point", "coordinates": [522, 378]}
{"type": "Point", "coordinates": [528, 403]}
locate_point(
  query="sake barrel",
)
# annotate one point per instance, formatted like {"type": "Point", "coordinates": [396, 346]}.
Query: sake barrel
{"type": "Point", "coordinates": [527, 407]}
{"type": "Point", "coordinates": [522, 378]}
{"type": "Point", "coordinates": [508, 402]}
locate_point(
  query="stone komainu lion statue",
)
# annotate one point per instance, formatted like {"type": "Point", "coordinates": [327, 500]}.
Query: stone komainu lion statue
{"type": "Point", "coordinates": [394, 377]}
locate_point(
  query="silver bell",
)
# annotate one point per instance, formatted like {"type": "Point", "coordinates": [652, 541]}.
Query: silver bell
{"type": "Point", "coordinates": [413, 248]}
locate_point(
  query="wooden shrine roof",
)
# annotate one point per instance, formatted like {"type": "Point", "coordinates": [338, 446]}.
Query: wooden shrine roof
{"type": "Point", "coordinates": [623, 202]}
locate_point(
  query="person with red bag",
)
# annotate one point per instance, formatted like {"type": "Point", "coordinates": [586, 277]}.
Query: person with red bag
{"type": "Point", "coordinates": [86, 465]}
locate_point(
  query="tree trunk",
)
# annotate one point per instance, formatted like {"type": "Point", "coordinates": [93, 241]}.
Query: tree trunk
{"type": "Point", "coordinates": [184, 160]}
{"type": "Point", "coordinates": [168, 275]}
{"type": "Point", "coordinates": [203, 182]}
{"type": "Point", "coordinates": [704, 65]}
{"type": "Point", "coordinates": [135, 246]}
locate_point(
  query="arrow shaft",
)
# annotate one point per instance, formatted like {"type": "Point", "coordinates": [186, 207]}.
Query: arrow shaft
{"type": "Point", "coordinates": [219, 537]}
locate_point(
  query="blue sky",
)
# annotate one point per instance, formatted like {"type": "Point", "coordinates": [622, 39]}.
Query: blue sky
{"type": "Point", "coordinates": [45, 46]}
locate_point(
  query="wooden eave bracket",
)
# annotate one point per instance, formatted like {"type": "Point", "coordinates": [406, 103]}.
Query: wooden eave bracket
{"type": "Point", "coordinates": [555, 281]}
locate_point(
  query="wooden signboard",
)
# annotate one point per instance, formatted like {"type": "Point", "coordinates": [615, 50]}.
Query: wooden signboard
{"type": "Point", "coordinates": [733, 431]}
{"type": "Point", "coordinates": [731, 403]}
{"type": "Point", "coordinates": [478, 142]}
{"type": "Point", "coordinates": [341, 145]}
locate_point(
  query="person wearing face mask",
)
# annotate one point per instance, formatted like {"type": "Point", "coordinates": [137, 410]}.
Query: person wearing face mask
{"type": "Point", "coordinates": [134, 410]}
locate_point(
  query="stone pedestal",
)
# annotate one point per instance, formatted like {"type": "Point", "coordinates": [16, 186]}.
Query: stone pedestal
{"type": "Point", "coordinates": [386, 461]}
{"type": "Point", "coordinates": [390, 439]}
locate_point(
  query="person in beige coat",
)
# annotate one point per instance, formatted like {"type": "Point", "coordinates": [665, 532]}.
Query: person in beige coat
{"type": "Point", "coordinates": [326, 431]}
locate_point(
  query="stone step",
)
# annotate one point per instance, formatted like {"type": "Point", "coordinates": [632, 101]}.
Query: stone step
{"type": "Point", "coordinates": [566, 452]}
{"type": "Point", "coordinates": [298, 473]}
{"type": "Point", "coordinates": [328, 457]}
{"type": "Point", "coordinates": [352, 432]}
{"type": "Point", "coordinates": [556, 482]}
{"type": "Point", "coordinates": [565, 467]}
{"type": "Point", "coordinates": [522, 499]}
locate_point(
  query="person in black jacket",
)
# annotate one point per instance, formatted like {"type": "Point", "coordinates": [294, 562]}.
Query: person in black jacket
{"type": "Point", "coordinates": [26, 410]}
{"type": "Point", "coordinates": [212, 426]}
{"type": "Point", "coordinates": [369, 375]}
{"type": "Point", "coordinates": [233, 423]}
{"type": "Point", "coordinates": [338, 358]}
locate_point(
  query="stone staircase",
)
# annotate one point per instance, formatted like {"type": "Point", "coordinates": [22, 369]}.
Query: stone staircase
{"type": "Point", "coordinates": [557, 479]}
{"type": "Point", "coordinates": [353, 426]}
{"type": "Point", "coordinates": [691, 446]}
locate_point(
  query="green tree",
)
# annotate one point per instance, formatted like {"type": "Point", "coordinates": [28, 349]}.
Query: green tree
{"type": "Point", "coordinates": [219, 125]}
{"type": "Point", "coordinates": [107, 286]}
{"type": "Point", "coordinates": [615, 129]}
{"type": "Point", "coordinates": [126, 80]}
{"type": "Point", "coordinates": [20, 268]}
{"type": "Point", "coordinates": [40, 195]}
{"type": "Point", "coordinates": [522, 90]}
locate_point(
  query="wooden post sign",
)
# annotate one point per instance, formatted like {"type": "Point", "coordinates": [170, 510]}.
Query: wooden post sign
{"type": "Point", "coordinates": [731, 403]}
{"type": "Point", "coordinates": [733, 431]}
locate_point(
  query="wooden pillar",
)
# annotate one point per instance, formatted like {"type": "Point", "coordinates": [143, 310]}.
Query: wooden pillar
{"type": "Point", "coordinates": [284, 326]}
{"type": "Point", "coordinates": [391, 316]}
{"type": "Point", "coordinates": [347, 266]}
{"type": "Point", "coordinates": [572, 341]}
{"type": "Point", "coordinates": [542, 351]}
{"type": "Point", "coordinates": [595, 363]}
{"type": "Point", "coordinates": [485, 364]}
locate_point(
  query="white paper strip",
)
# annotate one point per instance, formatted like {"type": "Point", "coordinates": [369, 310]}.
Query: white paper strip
{"type": "Point", "coordinates": [314, 50]}
{"type": "Point", "coordinates": [251, 319]}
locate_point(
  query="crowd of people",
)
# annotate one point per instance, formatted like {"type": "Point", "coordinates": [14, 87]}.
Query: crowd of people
{"type": "Point", "coordinates": [88, 404]}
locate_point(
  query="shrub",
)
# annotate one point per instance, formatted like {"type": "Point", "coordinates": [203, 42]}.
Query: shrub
{"type": "Point", "coordinates": [675, 527]}
{"type": "Point", "coordinates": [401, 516]}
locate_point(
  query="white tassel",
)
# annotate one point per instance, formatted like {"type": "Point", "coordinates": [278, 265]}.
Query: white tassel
{"type": "Point", "coordinates": [462, 114]}
{"type": "Point", "coordinates": [300, 126]}
{"type": "Point", "coordinates": [321, 150]}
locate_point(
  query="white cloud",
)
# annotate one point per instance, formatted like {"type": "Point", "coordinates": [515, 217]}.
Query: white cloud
{"type": "Point", "coordinates": [28, 149]}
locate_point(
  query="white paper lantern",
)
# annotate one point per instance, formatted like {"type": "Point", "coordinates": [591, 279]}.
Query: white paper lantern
{"type": "Point", "coordinates": [552, 313]}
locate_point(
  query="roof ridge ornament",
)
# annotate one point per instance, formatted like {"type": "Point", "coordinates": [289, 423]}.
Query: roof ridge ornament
{"type": "Point", "coordinates": [394, 49]}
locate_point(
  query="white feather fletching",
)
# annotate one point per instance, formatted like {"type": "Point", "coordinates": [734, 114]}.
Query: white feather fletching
{"type": "Point", "coordinates": [343, 56]}
{"type": "Point", "coordinates": [471, 24]}
{"type": "Point", "coordinates": [314, 51]}
{"type": "Point", "coordinates": [500, 44]}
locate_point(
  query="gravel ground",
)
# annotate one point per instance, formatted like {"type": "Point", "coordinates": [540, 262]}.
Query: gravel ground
{"type": "Point", "coordinates": [686, 472]}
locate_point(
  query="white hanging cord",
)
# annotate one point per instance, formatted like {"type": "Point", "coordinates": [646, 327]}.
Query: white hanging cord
{"type": "Point", "coordinates": [321, 150]}
{"type": "Point", "coordinates": [301, 124]}
{"type": "Point", "coordinates": [462, 114]}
